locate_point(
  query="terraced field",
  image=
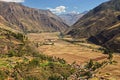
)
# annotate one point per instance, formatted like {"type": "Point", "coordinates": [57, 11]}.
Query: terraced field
{"type": "Point", "coordinates": [79, 52]}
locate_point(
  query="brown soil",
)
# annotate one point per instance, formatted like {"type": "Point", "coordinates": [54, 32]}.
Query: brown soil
{"type": "Point", "coordinates": [68, 51]}
{"type": "Point", "coordinates": [80, 53]}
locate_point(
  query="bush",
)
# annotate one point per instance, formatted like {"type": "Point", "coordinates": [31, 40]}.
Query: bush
{"type": "Point", "coordinates": [89, 64]}
{"type": "Point", "coordinates": [55, 77]}
{"type": "Point", "coordinates": [19, 36]}
{"type": "Point", "coordinates": [88, 74]}
{"type": "Point", "coordinates": [31, 78]}
{"type": "Point", "coordinates": [62, 61]}
{"type": "Point", "coordinates": [110, 57]}
{"type": "Point", "coordinates": [11, 53]}
{"type": "Point", "coordinates": [96, 65]}
{"type": "Point", "coordinates": [34, 63]}
{"type": "Point", "coordinates": [3, 75]}
{"type": "Point", "coordinates": [61, 35]}
{"type": "Point", "coordinates": [107, 51]}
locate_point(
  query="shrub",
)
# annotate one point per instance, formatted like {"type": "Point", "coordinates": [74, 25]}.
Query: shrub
{"type": "Point", "coordinates": [89, 64]}
{"type": "Point", "coordinates": [31, 78]}
{"type": "Point", "coordinates": [19, 36]}
{"type": "Point", "coordinates": [55, 77]}
{"type": "Point", "coordinates": [107, 51]}
{"type": "Point", "coordinates": [61, 35]}
{"type": "Point", "coordinates": [11, 53]}
{"type": "Point", "coordinates": [3, 75]}
{"type": "Point", "coordinates": [88, 74]}
{"type": "Point", "coordinates": [34, 63]}
{"type": "Point", "coordinates": [110, 57]}
{"type": "Point", "coordinates": [96, 65]}
{"type": "Point", "coordinates": [62, 61]}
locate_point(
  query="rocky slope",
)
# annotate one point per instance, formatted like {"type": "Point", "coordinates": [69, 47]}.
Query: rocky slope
{"type": "Point", "coordinates": [101, 25]}
{"type": "Point", "coordinates": [71, 18]}
{"type": "Point", "coordinates": [27, 19]}
{"type": "Point", "coordinates": [110, 38]}
{"type": "Point", "coordinates": [103, 16]}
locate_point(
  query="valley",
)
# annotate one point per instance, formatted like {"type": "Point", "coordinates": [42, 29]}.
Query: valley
{"type": "Point", "coordinates": [79, 52]}
{"type": "Point", "coordinates": [66, 50]}
{"type": "Point", "coordinates": [47, 43]}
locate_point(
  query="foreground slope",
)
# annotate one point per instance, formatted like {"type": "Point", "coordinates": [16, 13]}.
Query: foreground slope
{"type": "Point", "coordinates": [19, 60]}
{"type": "Point", "coordinates": [79, 52]}
{"type": "Point", "coordinates": [27, 19]}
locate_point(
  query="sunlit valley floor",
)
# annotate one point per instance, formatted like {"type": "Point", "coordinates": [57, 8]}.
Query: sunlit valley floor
{"type": "Point", "coordinates": [78, 51]}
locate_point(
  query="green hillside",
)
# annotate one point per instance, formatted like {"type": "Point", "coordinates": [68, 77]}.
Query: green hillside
{"type": "Point", "coordinates": [19, 60]}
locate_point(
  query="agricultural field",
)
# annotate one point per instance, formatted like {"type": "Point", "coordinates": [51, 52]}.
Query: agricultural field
{"type": "Point", "coordinates": [63, 48]}
{"type": "Point", "coordinates": [78, 52]}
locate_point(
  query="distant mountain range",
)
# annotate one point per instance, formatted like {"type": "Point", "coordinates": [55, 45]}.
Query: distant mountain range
{"type": "Point", "coordinates": [71, 18]}
{"type": "Point", "coordinates": [22, 18]}
{"type": "Point", "coordinates": [101, 25]}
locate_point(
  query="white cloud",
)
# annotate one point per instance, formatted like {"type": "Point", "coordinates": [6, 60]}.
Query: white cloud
{"type": "Point", "coordinates": [58, 10]}
{"type": "Point", "coordinates": [13, 0]}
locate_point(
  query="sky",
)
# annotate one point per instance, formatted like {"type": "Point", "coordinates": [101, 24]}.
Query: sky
{"type": "Point", "coordinates": [61, 6]}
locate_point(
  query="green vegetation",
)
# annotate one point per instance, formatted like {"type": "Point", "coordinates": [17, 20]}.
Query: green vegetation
{"type": "Point", "coordinates": [22, 62]}
{"type": "Point", "coordinates": [55, 77]}
{"type": "Point", "coordinates": [110, 57]}
{"type": "Point", "coordinates": [105, 50]}
{"type": "Point", "coordinates": [89, 64]}
{"type": "Point", "coordinates": [61, 35]}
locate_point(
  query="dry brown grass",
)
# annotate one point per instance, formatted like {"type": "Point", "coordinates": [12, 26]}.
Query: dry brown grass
{"type": "Point", "coordinates": [111, 70]}
{"type": "Point", "coordinates": [79, 53]}
{"type": "Point", "coordinates": [68, 51]}
{"type": "Point", "coordinates": [38, 37]}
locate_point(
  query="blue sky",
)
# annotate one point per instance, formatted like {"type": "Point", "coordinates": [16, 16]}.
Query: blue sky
{"type": "Point", "coordinates": [67, 6]}
{"type": "Point", "coordinates": [61, 6]}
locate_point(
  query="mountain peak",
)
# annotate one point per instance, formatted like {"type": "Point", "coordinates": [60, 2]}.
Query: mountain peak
{"type": "Point", "coordinates": [101, 25]}
{"type": "Point", "coordinates": [71, 18]}
{"type": "Point", "coordinates": [28, 19]}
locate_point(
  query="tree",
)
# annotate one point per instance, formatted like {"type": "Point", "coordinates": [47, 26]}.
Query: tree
{"type": "Point", "coordinates": [90, 64]}
{"type": "Point", "coordinates": [61, 35]}
{"type": "Point", "coordinates": [107, 51]}
{"type": "Point", "coordinates": [110, 57]}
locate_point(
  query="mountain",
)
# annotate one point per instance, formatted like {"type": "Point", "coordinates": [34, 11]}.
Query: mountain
{"type": "Point", "coordinates": [101, 25]}
{"type": "Point", "coordinates": [22, 18]}
{"type": "Point", "coordinates": [96, 20]}
{"type": "Point", "coordinates": [71, 18]}
{"type": "Point", "coordinates": [109, 38]}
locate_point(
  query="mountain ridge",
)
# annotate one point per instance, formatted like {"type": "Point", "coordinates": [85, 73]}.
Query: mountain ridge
{"type": "Point", "coordinates": [71, 18]}
{"type": "Point", "coordinates": [101, 26]}
{"type": "Point", "coordinates": [27, 19]}
{"type": "Point", "coordinates": [96, 20]}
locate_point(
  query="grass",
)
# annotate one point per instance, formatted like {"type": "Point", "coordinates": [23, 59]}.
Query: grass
{"type": "Point", "coordinates": [2, 37]}
{"type": "Point", "coordinates": [65, 48]}
{"type": "Point", "coordinates": [3, 63]}
{"type": "Point", "coordinates": [118, 38]}
{"type": "Point", "coordinates": [114, 26]}
{"type": "Point", "coordinates": [25, 61]}
{"type": "Point", "coordinates": [80, 53]}
{"type": "Point", "coordinates": [44, 64]}
{"type": "Point", "coordinates": [31, 63]}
